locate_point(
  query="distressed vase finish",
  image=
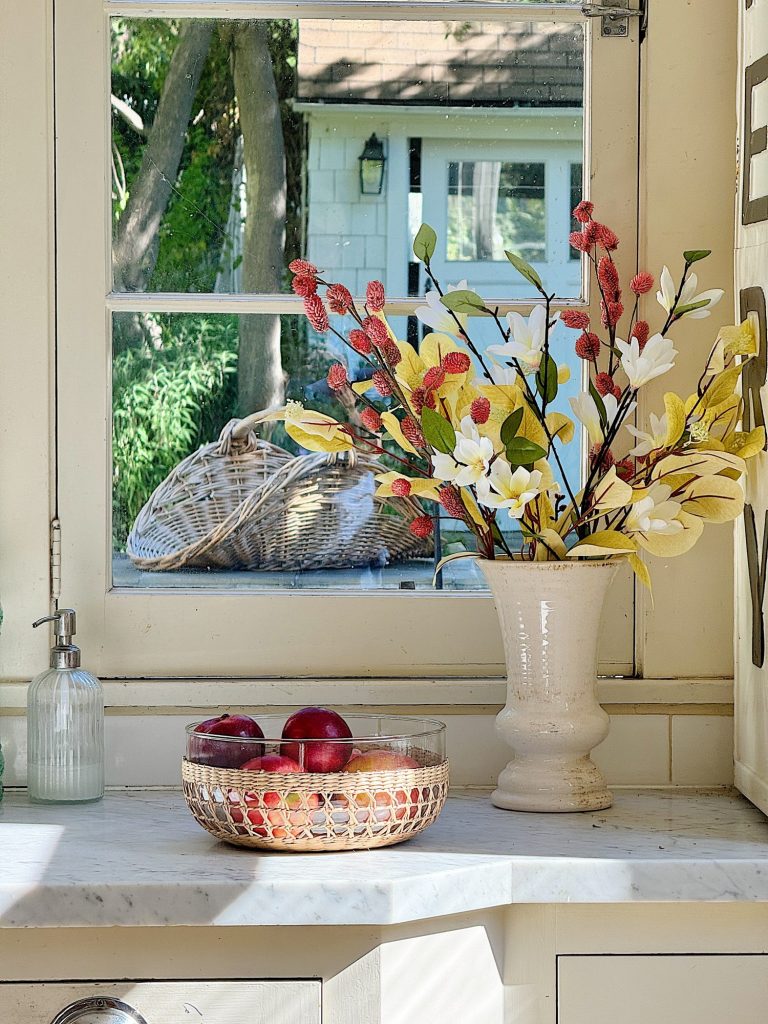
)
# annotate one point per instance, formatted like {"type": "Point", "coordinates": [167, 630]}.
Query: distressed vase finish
{"type": "Point", "coordinates": [550, 614]}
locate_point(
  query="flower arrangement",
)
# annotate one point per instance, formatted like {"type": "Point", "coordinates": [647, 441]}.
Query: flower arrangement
{"type": "Point", "coordinates": [476, 433]}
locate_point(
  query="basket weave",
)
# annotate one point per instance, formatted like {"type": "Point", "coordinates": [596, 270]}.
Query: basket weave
{"type": "Point", "coordinates": [315, 812]}
{"type": "Point", "coordinates": [243, 503]}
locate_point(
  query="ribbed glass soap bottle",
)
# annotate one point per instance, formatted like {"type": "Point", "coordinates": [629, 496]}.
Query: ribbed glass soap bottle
{"type": "Point", "coordinates": [65, 724]}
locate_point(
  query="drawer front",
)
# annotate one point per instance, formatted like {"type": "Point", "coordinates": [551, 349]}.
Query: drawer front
{"type": "Point", "coordinates": [169, 1002]}
{"type": "Point", "coordinates": [665, 989]}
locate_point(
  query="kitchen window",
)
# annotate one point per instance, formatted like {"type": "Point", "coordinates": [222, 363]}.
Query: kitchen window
{"type": "Point", "coordinates": [171, 282]}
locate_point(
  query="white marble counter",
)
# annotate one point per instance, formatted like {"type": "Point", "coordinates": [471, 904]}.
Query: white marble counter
{"type": "Point", "coordinates": [139, 859]}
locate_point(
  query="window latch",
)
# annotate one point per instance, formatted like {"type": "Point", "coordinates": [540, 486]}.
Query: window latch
{"type": "Point", "coordinates": [615, 17]}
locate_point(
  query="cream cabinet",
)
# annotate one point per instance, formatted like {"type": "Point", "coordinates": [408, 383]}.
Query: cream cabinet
{"type": "Point", "coordinates": [162, 1002]}
{"type": "Point", "coordinates": [679, 989]}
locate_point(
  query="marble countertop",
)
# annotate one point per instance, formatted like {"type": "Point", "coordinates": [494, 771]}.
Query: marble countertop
{"type": "Point", "coordinates": [139, 859]}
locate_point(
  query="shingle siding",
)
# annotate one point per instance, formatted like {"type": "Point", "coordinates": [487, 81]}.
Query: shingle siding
{"type": "Point", "coordinates": [432, 62]}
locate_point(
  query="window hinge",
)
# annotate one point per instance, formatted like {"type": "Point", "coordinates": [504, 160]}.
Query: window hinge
{"type": "Point", "coordinates": [55, 560]}
{"type": "Point", "coordinates": [615, 16]}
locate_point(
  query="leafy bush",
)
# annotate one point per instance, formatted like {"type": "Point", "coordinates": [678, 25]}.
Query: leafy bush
{"type": "Point", "coordinates": [172, 392]}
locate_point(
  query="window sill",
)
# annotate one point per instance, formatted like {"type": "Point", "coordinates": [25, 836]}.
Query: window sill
{"type": "Point", "coordinates": [444, 696]}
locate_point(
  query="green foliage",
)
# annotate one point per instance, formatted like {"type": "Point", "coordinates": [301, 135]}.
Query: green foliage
{"type": "Point", "coordinates": [192, 242]}
{"type": "Point", "coordinates": [524, 268]}
{"type": "Point", "coordinates": [511, 425]}
{"type": "Point", "coordinates": [170, 395]}
{"type": "Point", "coordinates": [424, 243]}
{"type": "Point", "coordinates": [694, 255]}
{"type": "Point", "coordinates": [522, 452]}
{"type": "Point", "coordinates": [438, 430]}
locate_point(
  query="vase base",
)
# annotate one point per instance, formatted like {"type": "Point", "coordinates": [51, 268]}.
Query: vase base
{"type": "Point", "coordinates": [557, 788]}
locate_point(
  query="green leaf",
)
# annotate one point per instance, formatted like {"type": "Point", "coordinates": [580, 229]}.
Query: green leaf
{"type": "Point", "coordinates": [438, 431]}
{"type": "Point", "coordinates": [525, 269]}
{"type": "Point", "coordinates": [463, 301]}
{"type": "Point", "coordinates": [694, 255]}
{"type": "Point", "coordinates": [547, 375]}
{"type": "Point", "coordinates": [522, 452]}
{"type": "Point", "coordinates": [511, 425]}
{"type": "Point", "coordinates": [598, 400]}
{"type": "Point", "coordinates": [424, 243]}
{"type": "Point", "coordinates": [679, 310]}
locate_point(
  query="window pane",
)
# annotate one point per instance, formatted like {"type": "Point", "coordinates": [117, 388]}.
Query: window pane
{"type": "Point", "coordinates": [236, 147]}
{"type": "Point", "coordinates": [259, 514]}
{"type": "Point", "coordinates": [577, 195]}
{"type": "Point", "coordinates": [493, 206]}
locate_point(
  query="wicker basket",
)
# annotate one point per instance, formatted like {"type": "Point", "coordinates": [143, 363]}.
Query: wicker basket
{"type": "Point", "coordinates": [316, 812]}
{"type": "Point", "coordinates": [243, 503]}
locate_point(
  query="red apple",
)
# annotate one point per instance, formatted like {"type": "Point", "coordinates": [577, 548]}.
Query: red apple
{"type": "Point", "coordinates": [271, 763]}
{"type": "Point", "coordinates": [380, 761]}
{"type": "Point", "coordinates": [317, 724]}
{"type": "Point", "coordinates": [387, 804]}
{"type": "Point", "coordinates": [284, 822]}
{"type": "Point", "coordinates": [225, 753]}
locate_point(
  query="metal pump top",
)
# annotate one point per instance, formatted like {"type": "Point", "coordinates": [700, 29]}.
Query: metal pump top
{"type": "Point", "coordinates": [64, 654]}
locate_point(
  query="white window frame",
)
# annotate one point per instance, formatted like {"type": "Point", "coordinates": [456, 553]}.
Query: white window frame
{"type": "Point", "coordinates": [138, 633]}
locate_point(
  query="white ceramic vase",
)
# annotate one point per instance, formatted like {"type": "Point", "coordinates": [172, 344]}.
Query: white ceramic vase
{"type": "Point", "coordinates": [549, 614]}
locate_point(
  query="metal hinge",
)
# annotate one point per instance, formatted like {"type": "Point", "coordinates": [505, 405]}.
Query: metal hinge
{"type": "Point", "coordinates": [55, 560]}
{"type": "Point", "coordinates": [615, 17]}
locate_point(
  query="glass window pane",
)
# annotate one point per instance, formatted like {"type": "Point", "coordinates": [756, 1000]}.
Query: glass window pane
{"type": "Point", "coordinates": [236, 147]}
{"type": "Point", "coordinates": [577, 195]}
{"type": "Point", "coordinates": [493, 206]}
{"type": "Point", "coordinates": [188, 511]}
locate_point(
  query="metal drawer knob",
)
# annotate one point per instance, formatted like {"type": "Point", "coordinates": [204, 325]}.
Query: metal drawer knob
{"type": "Point", "coordinates": [98, 1010]}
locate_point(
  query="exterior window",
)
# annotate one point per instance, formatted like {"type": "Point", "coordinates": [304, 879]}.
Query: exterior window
{"type": "Point", "coordinates": [234, 147]}
{"type": "Point", "coordinates": [493, 206]}
{"type": "Point", "coordinates": [577, 194]}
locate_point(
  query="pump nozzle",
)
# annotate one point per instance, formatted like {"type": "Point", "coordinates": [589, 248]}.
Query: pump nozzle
{"type": "Point", "coordinates": [65, 654]}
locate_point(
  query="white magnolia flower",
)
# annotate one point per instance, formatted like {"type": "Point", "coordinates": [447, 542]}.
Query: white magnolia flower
{"type": "Point", "coordinates": [584, 408]}
{"type": "Point", "coordinates": [526, 340]}
{"type": "Point", "coordinates": [434, 314]}
{"type": "Point", "coordinates": [649, 442]}
{"type": "Point", "coordinates": [470, 458]}
{"type": "Point", "coordinates": [666, 295]}
{"type": "Point", "coordinates": [504, 375]}
{"type": "Point", "coordinates": [654, 513]}
{"type": "Point", "coordinates": [504, 489]}
{"type": "Point", "coordinates": [657, 357]}
{"type": "Point", "coordinates": [611, 405]}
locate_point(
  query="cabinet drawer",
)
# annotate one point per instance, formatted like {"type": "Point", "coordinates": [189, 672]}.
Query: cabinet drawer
{"type": "Point", "coordinates": [170, 1002]}
{"type": "Point", "coordinates": [662, 989]}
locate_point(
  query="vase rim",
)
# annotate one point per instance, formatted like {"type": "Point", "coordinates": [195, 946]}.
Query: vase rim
{"type": "Point", "coordinates": [592, 563]}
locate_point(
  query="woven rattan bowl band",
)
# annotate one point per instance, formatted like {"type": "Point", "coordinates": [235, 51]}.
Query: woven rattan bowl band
{"type": "Point", "coordinates": [315, 812]}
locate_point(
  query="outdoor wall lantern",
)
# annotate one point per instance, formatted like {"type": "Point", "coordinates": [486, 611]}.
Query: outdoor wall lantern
{"type": "Point", "coordinates": [372, 162]}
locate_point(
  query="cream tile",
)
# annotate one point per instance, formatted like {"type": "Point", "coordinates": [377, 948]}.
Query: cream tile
{"type": "Point", "coordinates": [636, 751]}
{"type": "Point", "coordinates": [702, 750]}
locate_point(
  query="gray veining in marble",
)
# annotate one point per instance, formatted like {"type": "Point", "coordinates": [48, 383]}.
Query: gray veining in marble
{"type": "Point", "coordinates": [139, 859]}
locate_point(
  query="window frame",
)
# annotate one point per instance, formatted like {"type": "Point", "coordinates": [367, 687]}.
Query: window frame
{"type": "Point", "coordinates": [201, 634]}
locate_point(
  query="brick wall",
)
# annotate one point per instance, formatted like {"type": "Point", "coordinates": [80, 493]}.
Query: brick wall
{"type": "Point", "coordinates": [496, 63]}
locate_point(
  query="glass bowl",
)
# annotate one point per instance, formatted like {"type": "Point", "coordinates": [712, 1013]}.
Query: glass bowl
{"type": "Point", "coordinates": [421, 739]}
{"type": "Point", "coordinates": [383, 785]}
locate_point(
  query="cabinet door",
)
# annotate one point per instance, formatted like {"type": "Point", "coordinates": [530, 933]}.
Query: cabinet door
{"type": "Point", "coordinates": [166, 1002]}
{"type": "Point", "coordinates": [710, 989]}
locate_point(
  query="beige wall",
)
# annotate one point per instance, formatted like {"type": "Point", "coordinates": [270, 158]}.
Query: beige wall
{"type": "Point", "coordinates": [687, 173]}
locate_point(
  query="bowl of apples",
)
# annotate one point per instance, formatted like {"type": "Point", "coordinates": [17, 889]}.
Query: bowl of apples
{"type": "Point", "coordinates": [315, 780]}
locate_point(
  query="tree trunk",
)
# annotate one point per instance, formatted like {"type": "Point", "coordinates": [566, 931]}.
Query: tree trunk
{"type": "Point", "coordinates": [136, 242]}
{"type": "Point", "coordinates": [261, 381]}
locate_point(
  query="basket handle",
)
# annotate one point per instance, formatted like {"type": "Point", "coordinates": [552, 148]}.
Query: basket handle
{"type": "Point", "coordinates": [240, 429]}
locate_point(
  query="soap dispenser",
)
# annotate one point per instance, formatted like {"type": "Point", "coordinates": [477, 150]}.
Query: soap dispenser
{"type": "Point", "coordinates": [65, 724]}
